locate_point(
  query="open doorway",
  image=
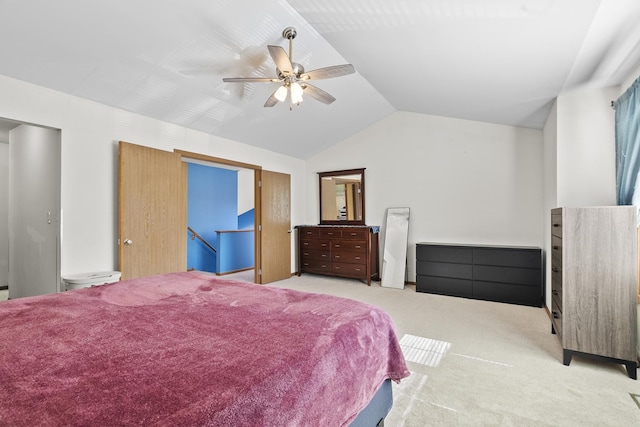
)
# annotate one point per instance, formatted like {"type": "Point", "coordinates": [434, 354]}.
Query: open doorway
{"type": "Point", "coordinates": [220, 218]}
{"type": "Point", "coordinates": [159, 245]}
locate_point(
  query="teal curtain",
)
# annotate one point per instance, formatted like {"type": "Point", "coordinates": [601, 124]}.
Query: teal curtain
{"type": "Point", "coordinates": [628, 145]}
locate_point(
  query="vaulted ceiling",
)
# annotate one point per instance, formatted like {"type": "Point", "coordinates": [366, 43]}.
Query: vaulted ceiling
{"type": "Point", "coordinates": [497, 61]}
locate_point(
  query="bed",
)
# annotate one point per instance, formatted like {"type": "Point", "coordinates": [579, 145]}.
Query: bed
{"type": "Point", "coordinates": [189, 349]}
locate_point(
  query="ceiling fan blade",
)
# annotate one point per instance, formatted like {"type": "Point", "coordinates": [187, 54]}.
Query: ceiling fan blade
{"type": "Point", "coordinates": [272, 100]}
{"type": "Point", "coordinates": [281, 59]}
{"type": "Point", "coordinates": [249, 79]}
{"type": "Point", "coordinates": [317, 93]}
{"type": "Point", "coordinates": [328, 72]}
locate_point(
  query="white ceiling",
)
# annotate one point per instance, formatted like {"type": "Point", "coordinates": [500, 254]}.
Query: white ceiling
{"type": "Point", "coordinates": [498, 61]}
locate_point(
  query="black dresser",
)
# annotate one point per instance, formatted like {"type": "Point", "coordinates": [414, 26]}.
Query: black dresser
{"type": "Point", "coordinates": [511, 274]}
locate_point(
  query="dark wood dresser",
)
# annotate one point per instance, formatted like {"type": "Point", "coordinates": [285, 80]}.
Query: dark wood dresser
{"type": "Point", "coordinates": [494, 273]}
{"type": "Point", "coordinates": [336, 250]}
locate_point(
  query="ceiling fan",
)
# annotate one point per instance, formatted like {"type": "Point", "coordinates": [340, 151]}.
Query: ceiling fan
{"type": "Point", "coordinates": [293, 77]}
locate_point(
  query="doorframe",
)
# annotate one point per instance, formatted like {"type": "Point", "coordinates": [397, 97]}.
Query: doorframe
{"type": "Point", "coordinates": [257, 198]}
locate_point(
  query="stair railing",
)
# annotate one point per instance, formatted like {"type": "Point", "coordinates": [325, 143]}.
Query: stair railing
{"type": "Point", "coordinates": [194, 234]}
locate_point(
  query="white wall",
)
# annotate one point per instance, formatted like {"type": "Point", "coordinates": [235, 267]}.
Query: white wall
{"type": "Point", "coordinates": [579, 157]}
{"type": "Point", "coordinates": [246, 181]}
{"type": "Point", "coordinates": [464, 181]}
{"type": "Point", "coordinates": [4, 214]}
{"type": "Point", "coordinates": [586, 174]}
{"type": "Point", "coordinates": [550, 134]}
{"type": "Point", "coordinates": [90, 132]}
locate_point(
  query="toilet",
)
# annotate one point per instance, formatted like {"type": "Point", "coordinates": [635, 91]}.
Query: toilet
{"type": "Point", "coordinates": [86, 280]}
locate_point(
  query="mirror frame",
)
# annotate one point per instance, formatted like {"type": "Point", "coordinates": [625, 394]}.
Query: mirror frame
{"type": "Point", "coordinates": [345, 172]}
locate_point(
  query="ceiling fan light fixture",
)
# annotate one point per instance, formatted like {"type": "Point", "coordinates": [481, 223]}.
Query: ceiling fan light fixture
{"type": "Point", "coordinates": [292, 76]}
{"type": "Point", "coordinates": [281, 93]}
{"type": "Point", "coordinates": [296, 93]}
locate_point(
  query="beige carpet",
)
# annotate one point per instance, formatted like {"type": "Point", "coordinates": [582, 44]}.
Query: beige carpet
{"type": "Point", "coordinates": [492, 364]}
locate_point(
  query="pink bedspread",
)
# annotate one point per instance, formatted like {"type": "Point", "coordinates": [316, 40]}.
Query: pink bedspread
{"type": "Point", "coordinates": [188, 349]}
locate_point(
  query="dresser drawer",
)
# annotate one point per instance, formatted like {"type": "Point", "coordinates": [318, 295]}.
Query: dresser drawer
{"type": "Point", "coordinates": [349, 245]}
{"type": "Point", "coordinates": [556, 318]}
{"type": "Point", "coordinates": [507, 257]}
{"type": "Point", "coordinates": [507, 292]}
{"type": "Point", "coordinates": [556, 250]}
{"type": "Point", "coordinates": [314, 265]}
{"type": "Point", "coordinates": [314, 244]}
{"type": "Point", "coordinates": [443, 269]}
{"type": "Point", "coordinates": [518, 276]}
{"type": "Point", "coordinates": [360, 234]}
{"type": "Point", "coordinates": [556, 225]}
{"type": "Point", "coordinates": [444, 286]}
{"type": "Point", "coordinates": [556, 276]}
{"type": "Point", "coordinates": [437, 253]}
{"type": "Point", "coordinates": [556, 297]}
{"type": "Point", "coordinates": [350, 257]}
{"type": "Point", "coordinates": [319, 254]}
{"type": "Point", "coordinates": [308, 232]}
{"type": "Point", "coordinates": [347, 268]}
{"type": "Point", "coordinates": [330, 232]}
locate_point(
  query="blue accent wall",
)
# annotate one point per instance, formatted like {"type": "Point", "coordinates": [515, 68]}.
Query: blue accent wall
{"type": "Point", "coordinates": [212, 205]}
{"type": "Point", "coordinates": [246, 220]}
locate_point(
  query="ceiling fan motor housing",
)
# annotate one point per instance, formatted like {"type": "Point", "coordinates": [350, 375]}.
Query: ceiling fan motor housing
{"type": "Point", "coordinates": [298, 69]}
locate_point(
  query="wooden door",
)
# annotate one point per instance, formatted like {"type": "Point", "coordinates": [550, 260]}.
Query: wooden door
{"type": "Point", "coordinates": [274, 243]}
{"type": "Point", "coordinates": [152, 211]}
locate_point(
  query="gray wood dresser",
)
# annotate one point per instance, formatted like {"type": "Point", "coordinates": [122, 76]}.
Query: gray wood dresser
{"type": "Point", "coordinates": [594, 266]}
{"type": "Point", "coordinates": [336, 250]}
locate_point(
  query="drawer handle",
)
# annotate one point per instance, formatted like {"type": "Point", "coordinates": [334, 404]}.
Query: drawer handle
{"type": "Point", "coordinates": [555, 269]}
{"type": "Point", "coordinates": [324, 266]}
{"type": "Point", "coordinates": [556, 247]}
{"type": "Point", "coordinates": [324, 244]}
{"type": "Point", "coordinates": [337, 267]}
{"type": "Point", "coordinates": [357, 269]}
{"type": "Point", "coordinates": [305, 253]}
{"type": "Point", "coordinates": [354, 234]}
{"type": "Point", "coordinates": [358, 246]}
{"type": "Point", "coordinates": [357, 257]}
{"type": "Point", "coordinates": [555, 292]}
{"type": "Point", "coordinates": [556, 315]}
{"type": "Point", "coordinates": [337, 246]}
{"type": "Point", "coordinates": [336, 256]}
{"type": "Point", "coordinates": [330, 233]}
{"type": "Point", "coordinates": [306, 243]}
{"type": "Point", "coordinates": [556, 225]}
{"type": "Point", "coordinates": [324, 255]}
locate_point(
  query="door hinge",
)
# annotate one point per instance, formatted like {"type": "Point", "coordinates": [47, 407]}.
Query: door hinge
{"type": "Point", "coordinates": [259, 227]}
{"type": "Point", "coordinates": [259, 272]}
{"type": "Point", "coordinates": [259, 183]}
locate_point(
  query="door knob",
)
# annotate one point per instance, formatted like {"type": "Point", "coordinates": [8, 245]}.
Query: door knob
{"type": "Point", "coordinates": [128, 242]}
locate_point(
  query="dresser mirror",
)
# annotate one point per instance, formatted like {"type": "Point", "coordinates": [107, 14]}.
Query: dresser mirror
{"type": "Point", "coordinates": [342, 197]}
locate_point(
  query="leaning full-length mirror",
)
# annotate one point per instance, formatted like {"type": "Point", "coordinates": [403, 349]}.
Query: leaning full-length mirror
{"type": "Point", "coordinates": [342, 197]}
